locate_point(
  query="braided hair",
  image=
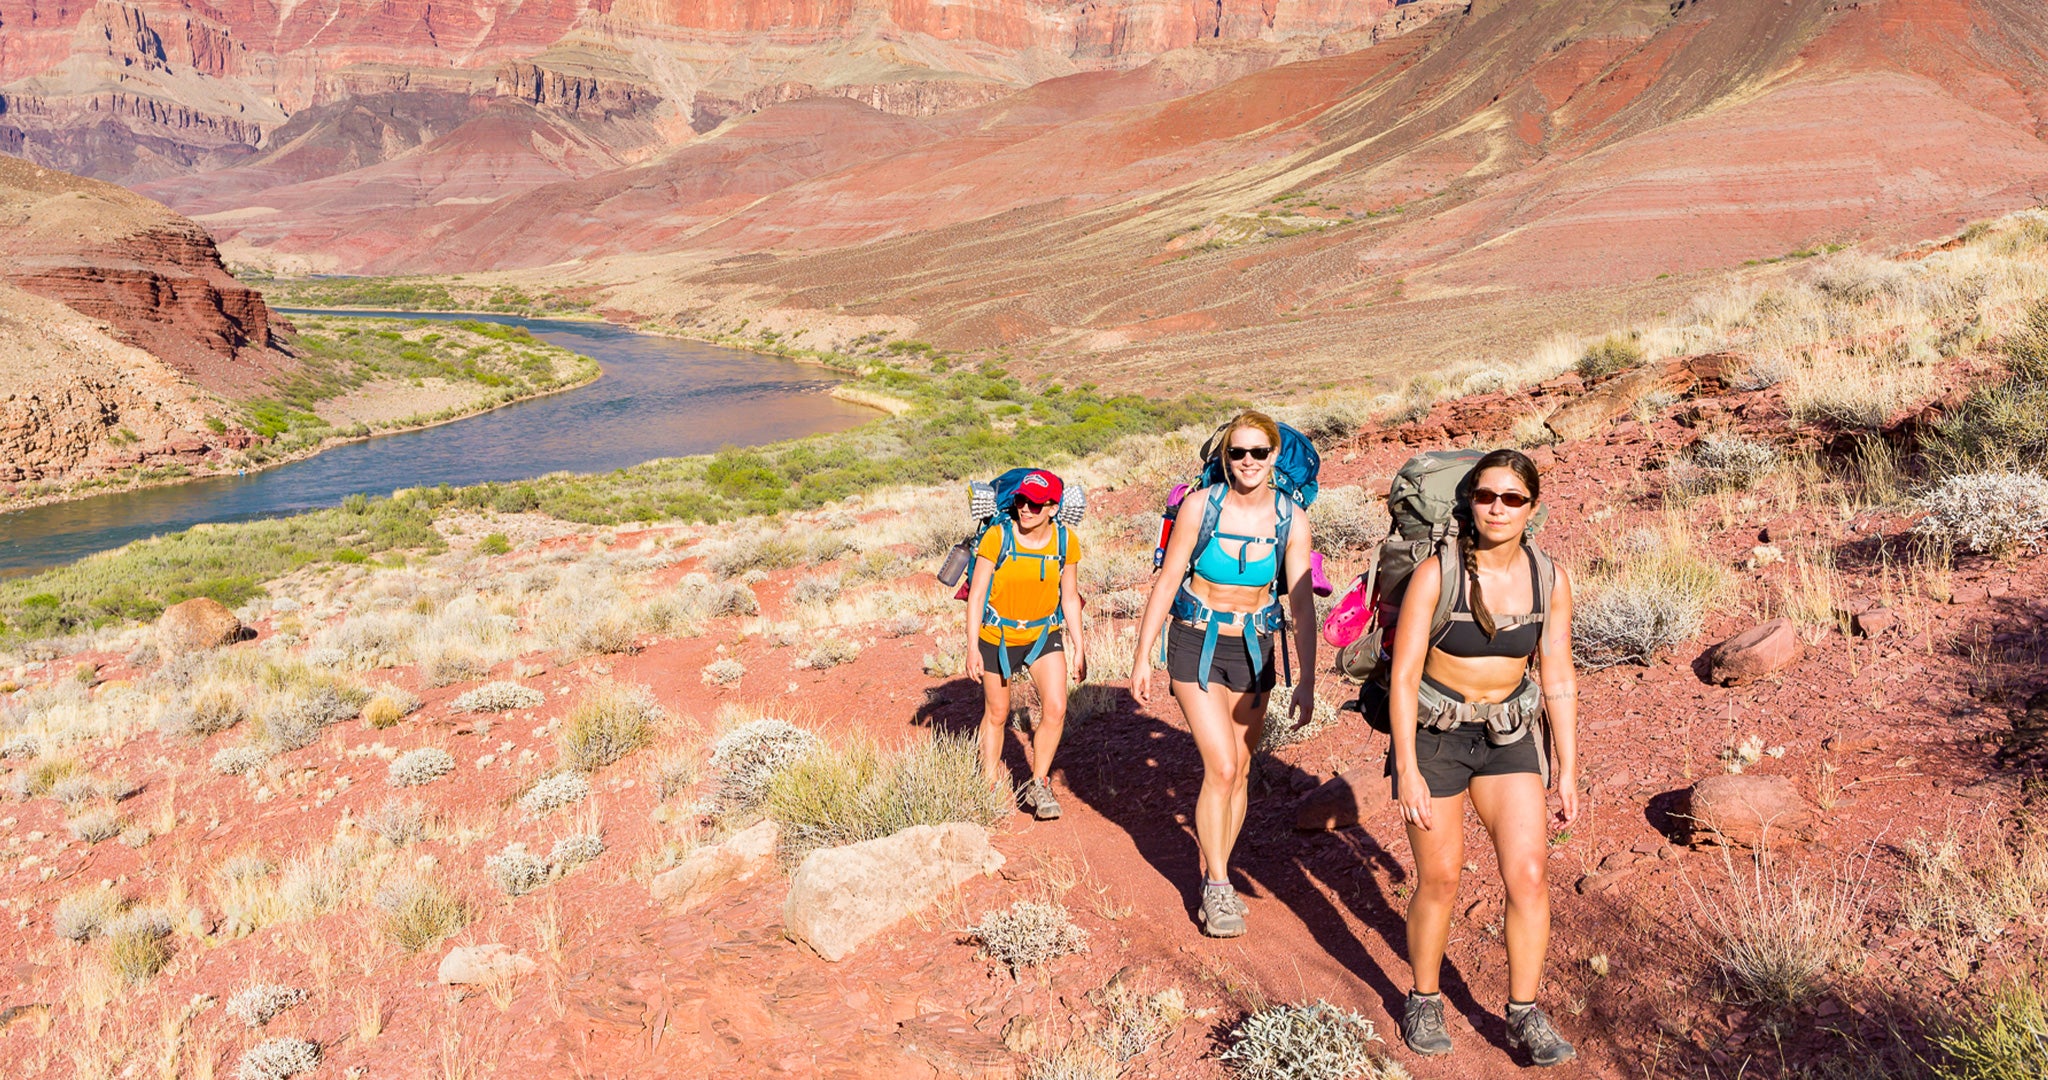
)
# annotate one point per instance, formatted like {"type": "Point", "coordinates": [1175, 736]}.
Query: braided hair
{"type": "Point", "coordinates": [1525, 470]}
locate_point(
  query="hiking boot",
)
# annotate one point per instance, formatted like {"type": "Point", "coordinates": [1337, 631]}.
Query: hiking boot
{"type": "Point", "coordinates": [1422, 1025]}
{"type": "Point", "coordinates": [1531, 1029]}
{"type": "Point", "coordinates": [1222, 913]}
{"type": "Point", "coordinates": [1039, 797]}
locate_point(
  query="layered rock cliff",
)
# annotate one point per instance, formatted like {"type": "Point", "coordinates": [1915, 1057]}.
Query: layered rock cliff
{"type": "Point", "coordinates": [122, 337]}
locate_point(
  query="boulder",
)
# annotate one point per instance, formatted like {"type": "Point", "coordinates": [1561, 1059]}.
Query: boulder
{"type": "Point", "coordinates": [1742, 810]}
{"type": "Point", "coordinates": [1873, 621]}
{"type": "Point", "coordinates": [1753, 654]}
{"type": "Point", "coordinates": [1591, 411]}
{"type": "Point", "coordinates": [1343, 800]}
{"type": "Point", "coordinates": [469, 965]}
{"type": "Point", "coordinates": [199, 623]}
{"type": "Point", "coordinates": [840, 897]}
{"type": "Point", "coordinates": [708, 869]}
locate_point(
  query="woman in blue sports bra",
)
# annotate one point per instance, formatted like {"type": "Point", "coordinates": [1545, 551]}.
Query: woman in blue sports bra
{"type": "Point", "coordinates": [1221, 645]}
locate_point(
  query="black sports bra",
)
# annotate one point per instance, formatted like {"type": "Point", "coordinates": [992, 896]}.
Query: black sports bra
{"type": "Point", "coordinates": [1462, 637]}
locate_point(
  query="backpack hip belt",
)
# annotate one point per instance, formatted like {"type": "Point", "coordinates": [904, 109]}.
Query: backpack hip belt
{"type": "Point", "coordinates": [1189, 608]}
{"type": "Point", "coordinates": [1507, 722]}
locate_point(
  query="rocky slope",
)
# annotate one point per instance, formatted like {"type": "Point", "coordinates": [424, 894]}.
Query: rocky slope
{"type": "Point", "coordinates": [126, 335]}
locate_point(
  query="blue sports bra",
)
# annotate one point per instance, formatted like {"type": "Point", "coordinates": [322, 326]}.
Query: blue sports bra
{"type": "Point", "coordinates": [1212, 564]}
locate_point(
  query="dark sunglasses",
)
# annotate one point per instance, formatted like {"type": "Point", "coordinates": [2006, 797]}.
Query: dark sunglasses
{"type": "Point", "coordinates": [1514, 500]}
{"type": "Point", "coordinates": [1258, 453]}
{"type": "Point", "coordinates": [1034, 507]}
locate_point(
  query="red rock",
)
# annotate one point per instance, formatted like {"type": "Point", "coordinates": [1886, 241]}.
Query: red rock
{"type": "Point", "coordinates": [1343, 800]}
{"type": "Point", "coordinates": [1968, 594]}
{"type": "Point", "coordinates": [1874, 621]}
{"type": "Point", "coordinates": [199, 623]}
{"type": "Point", "coordinates": [1746, 810]}
{"type": "Point", "coordinates": [468, 965]}
{"type": "Point", "coordinates": [1754, 654]}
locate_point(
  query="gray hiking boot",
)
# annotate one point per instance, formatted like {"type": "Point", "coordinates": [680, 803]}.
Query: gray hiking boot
{"type": "Point", "coordinates": [1222, 913]}
{"type": "Point", "coordinates": [1039, 798]}
{"type": "Point", "coordinates": [1530, 1029]}
{"type": "Point", "coordinates": [1422, 1025]}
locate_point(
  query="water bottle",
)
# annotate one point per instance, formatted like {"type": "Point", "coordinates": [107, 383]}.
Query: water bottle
{"type": "Point", "coordinates": [955, 564]}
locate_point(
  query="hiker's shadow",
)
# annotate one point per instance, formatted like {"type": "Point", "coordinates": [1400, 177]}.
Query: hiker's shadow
{"type": "Point", "coordinates": [952, 707]}
{"type": "Point", "coordinates": [1143, 774]}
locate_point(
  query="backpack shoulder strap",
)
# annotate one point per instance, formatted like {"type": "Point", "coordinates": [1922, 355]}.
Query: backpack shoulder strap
{"type": "Point", "coordinates": [1009, 547]}
{"type": "Point", "coordinates": [1450, 561]}
{"type": "Point", "coordinates": [1212, 513]}
{"type": "Point", "coordinates": [1546, 578]}
{"type": "Point", "coordinates": [1062, 527]}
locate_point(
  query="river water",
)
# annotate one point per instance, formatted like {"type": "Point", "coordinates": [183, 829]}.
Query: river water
{"type": "Point", "coordinates": [659, 397]}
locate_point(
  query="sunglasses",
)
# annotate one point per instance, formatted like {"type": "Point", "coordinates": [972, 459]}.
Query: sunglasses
{"type": "Point", "coordinates": [1258, 453]}
{"type": "Point", "coordinates": [1513, 500]}
{"type": "Point", "coordinates": [1033, 507]}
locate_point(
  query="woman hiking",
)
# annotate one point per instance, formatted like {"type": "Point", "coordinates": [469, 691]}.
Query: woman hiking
{"type": "Point", "coordinates": [1467, 702]}
{"type": "Point", "coordinates": [1221, 645]}
{"type": "Point", "coordinates": [1024, 595]}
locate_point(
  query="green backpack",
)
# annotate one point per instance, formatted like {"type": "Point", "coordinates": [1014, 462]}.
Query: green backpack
{"type": "Point", "coordinates": [1423, 502]}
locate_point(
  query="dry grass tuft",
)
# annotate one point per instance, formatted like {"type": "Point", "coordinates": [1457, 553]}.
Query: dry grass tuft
{"type": "Point", "coordinates": [1029, 934]}
{"type": "Point", "coordinates": [831, 797]}
{"type": "Point", "coordinates": [610, 722]}
{"type": "Point", "coordinates": [1778, 937]}
{"type": "Point", "coordinates": [418, 913]}
{"type": "Point", "coordinates": [81, 915]}
{"type": "Point", "coordinates": [1317, 1041]}
{"type": "Point", "coordinates": [1651, 592]}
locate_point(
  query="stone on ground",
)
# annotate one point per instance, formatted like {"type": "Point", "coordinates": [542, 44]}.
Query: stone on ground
{"type": "Point", "coordinates": [197, 624]}
{"type": "Point", "coordinates": [468, 965]}
{"type": "Point", "coordinates": [1743, 810]}
{"type": "Point", "coordinates": [1754, 653]}
{"type": "Point", "coordinates": [708, 869]}
{"type": "Point", "coordinates": [841, 897]}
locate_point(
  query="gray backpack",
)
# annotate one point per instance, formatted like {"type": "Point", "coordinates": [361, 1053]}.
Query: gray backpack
{"type": "Point", "coordinates": [1423, 502]}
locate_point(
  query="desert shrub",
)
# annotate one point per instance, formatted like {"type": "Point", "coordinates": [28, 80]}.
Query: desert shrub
{"type": "Point", "coordinates": [1327, 422]}
{"type": "Point", "coordinates": [725, 600]}
{"type": "Point", "coordinates": [41, 778]}
{"type": "Point", "coordinates": [2006, 1039]}
{"type": "Point", "coordinates": [418, 913]}
{"type": "Point", "coordinates": [755, 551]}
{"type": "Point", "coordinates": [2004, 425]}
{"type": "Point", "coordinates": [829, 652]}
{"type": "Point", "coordinates": [95, 825]}
{"type": "Point", "coordinates": [946, 663]}
{"type": "Point", "coordinates": [574, 850]}
{"type": "Point", "coordinates": [21, 747]}
{"type": "Point", "coordinates": [1317, 1041]}
{"type": "Point", "coordinates": [498, 697]}
{"type": "Point", "coordinates": [1281, 728]}
{"type": "Point", "coordinates": [1721, 462]}
{"type": "Point", "coordinates": [81, 915]}
{"type": "Point", "coordinates": [673, 773]}
{"type": "Point", "coordinates": [314, 883]}
{"type": "Point", "coordinates": [516, 871]}
{"type": "Point", "coordinates": [1132, 1020]}
{"type": "Point", "coordinates": [554, 791]}
{"type": "Point", "coordinates": [388, 707]}
{"type": "Point", "coordinates": [1030, 933]}
{"type": "Point", "coordinates": [76, 790]}
{"type": "Point", "coordinates": [1347, 519]}
{"type": "Point", "coordinates": [1651, 594]}
{"type": "Point", "coordinates": [815, 590]}
{"type": "Point", "coordinates": [295, 720]}
{"type": "Point", "coordinates": [1075, 1061]}
{"type": "Point", "coordinates": [276, 1059]}
{"type": "Point", "coordinates": [1608, 355]}
{"type": "Point", "coordinates": [1779, 937]}
{"type": "Point", "coordinates": [748, 757]}
{"type": "Point", "coordinates": [211, 708]}
{"type": "Point", "coordinates": [401, 822]}
{"type": "Point", "coordinates": [610, 722]}
{"type": "Point", "coordinates": [238, 760]}
{"type": "Point", "coordinates": [259, 1003]}
{"type": "Point", "coordinates": [421, 766]}
{"type": "Point", "coordinates": [1113, 569]}
{"type": "Point", "coordinates": [1998, 512]}
{"type": "Point", "coordinates": [136, 945]}
{"type": "Point", "coordinates": [724, 671]}
{"type": "Point", "coordinates": [589, 614]}
{"type": "Point", "coordinates": [833, 797]}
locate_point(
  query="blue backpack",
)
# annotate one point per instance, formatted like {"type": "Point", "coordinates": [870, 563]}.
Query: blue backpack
{"type": "Point", "coordinates": [1295, 468]}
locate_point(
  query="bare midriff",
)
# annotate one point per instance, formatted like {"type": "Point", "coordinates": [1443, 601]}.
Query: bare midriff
{"type": "Point", "coordinates": [1482, 680]}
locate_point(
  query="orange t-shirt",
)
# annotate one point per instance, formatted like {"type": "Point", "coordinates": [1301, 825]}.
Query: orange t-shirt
{"type": "Point", "coordinates": [1018, 591]}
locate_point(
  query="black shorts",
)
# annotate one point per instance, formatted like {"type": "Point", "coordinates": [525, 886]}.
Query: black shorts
{"type": "Point", "coordinates": [991, 660]}
{"type": "Point", "coordinates": [1231, 665]}
{"type": "Point", "coordinates": [1449, 760]}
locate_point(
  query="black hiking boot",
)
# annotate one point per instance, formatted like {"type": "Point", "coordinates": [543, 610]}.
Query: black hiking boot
{"type": "Point", "coordinates": [1530, 1029]}
{"type": "Point", "coordinates": [1422, 1025]}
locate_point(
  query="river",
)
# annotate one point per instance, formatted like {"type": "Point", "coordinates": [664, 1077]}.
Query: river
{"type": "Point", "coordinates": [659, 397]}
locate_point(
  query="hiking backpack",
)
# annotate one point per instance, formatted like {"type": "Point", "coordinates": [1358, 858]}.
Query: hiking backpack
{"type": "Point", "coordinates": [989, 504]}
{"type": "Point", "coordinates": [1295, 468]}
{"type": "Point", "coordinates": [1423, 502]}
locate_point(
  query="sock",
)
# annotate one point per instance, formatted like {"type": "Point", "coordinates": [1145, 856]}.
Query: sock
{"type": "Point", "coordinates": [1215, 884]}
{"type": "Point", "coordinates": [1515, 1008]}
{"type": "Point", "coordinates": [1431, 996]}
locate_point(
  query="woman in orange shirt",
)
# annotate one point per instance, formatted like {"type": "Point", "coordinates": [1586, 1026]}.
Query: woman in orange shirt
{"type": "Point", "coordinates": [1024, 594]}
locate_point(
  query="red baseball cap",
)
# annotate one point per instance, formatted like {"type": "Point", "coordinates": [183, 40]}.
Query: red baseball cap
{"type": "Point", "coordinates": [1040, 487]}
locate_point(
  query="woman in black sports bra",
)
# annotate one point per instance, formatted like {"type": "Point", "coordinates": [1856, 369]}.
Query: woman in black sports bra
{"type": "Point", "coordinates": [1468, 712]}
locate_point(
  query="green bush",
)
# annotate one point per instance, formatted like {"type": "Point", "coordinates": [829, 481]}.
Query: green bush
{"type": "Point", "coordinates": [1608, 355]}
{"type": "Point", "coordinates": [835, 797]}
{"type": "Point", "coordinates": [494, 544]}
{"type": "Point", "coordinates": [2004, 425]}
{"type": "Point", "coordinates": [2006, 1040]}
